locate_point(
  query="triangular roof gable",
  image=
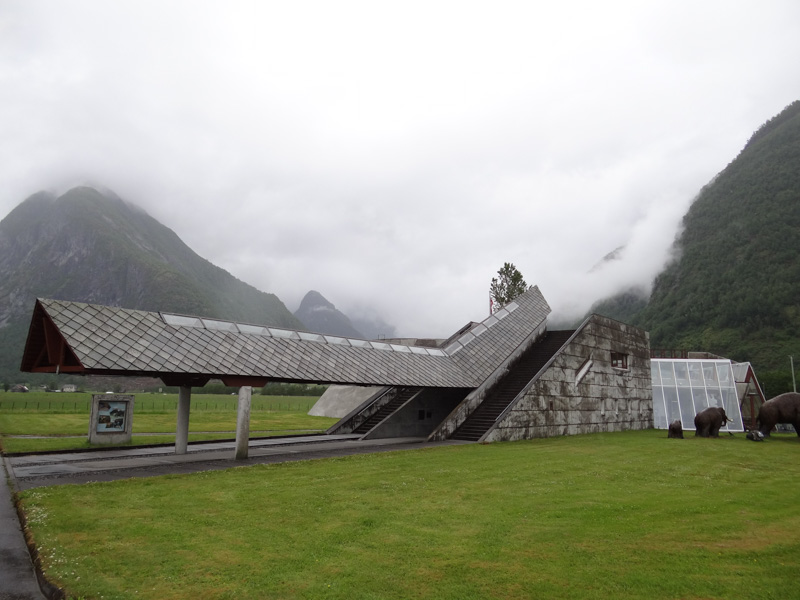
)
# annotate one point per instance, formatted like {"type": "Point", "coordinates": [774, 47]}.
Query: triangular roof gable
{"type": "Point", "coordinates": [46, 349]}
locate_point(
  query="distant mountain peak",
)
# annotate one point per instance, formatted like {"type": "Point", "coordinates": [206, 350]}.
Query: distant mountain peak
{"type": "Point", "coordinates": [313, 300]}
{"type": "Point", "coordinates": [320, 315]}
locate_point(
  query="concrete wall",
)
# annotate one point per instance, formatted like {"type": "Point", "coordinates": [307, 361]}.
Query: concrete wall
{"type": "Point", "coordinates": [605, 398]}
{"type": "Point", "coordinates": [419, 417]}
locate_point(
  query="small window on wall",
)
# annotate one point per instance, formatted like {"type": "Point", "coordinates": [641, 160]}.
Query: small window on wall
{"type": "Point", "coordinates": [619, 360]}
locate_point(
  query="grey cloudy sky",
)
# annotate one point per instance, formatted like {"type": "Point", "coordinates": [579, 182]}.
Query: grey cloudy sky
{"type": "Point", "coordinates": [394, 155]}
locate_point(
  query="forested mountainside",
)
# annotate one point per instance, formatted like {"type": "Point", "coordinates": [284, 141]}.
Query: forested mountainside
{"type": "Point", "coordinates": [734, 287]}
{"type": "Point", "coordinates": [91, 246]}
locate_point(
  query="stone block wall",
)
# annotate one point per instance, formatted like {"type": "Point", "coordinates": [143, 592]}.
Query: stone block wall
{"type": "Point", "coordinates": [581, 392]}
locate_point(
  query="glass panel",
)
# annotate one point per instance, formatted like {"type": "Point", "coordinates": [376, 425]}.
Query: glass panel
{"type": "Point", "coordinates": [490, 321]}
{"type": "Point", "coordinates": [671, 404]}
{"type": "Point", "coordinates": [710, 373]}
{"type": "Point", "coordinates": [219, 325]}
{"type": "Point", "coordinates": [667, 374]}
{"type": "Point", "coordinates": [739, 372]}
{"type": "Point", "coordinates": [478, 329]}
{"type": "Point", "coordinates": [435, 352]}
{"type": "Point", "coordinates": [453, 348]}
{"type": "Point", "coordinates": [400, 348]}
{"type": "Point", "coordinates": [655, 373]}
{"type": "Point", "coordinates": [659, 410]}
{"type": "Point", "coordinates": [700, 400]}
{"type": "Point", "coordinates": [380, 346]}
{"type": "Point", "coordinates": [284, 333]}
{"type": "Point", "coordinates": [418, 350]}
{"type": "Point", "coordinates": [332, 339]}
{"type": "Point", "coordinates": [732, 409]}
{"type": "Point", "coordinates": [695, 374]}
{"type": "Point", "coordinates": [501, 314]}
{"type": "Point", "coordinates": [254, 329]}
{"type": "Point", "coordinates": [360, 343]}
{"type": "Point", "coordinates": [512, 306]}
{"type": "Point", "coordinates": [181, 321]}
{"type": "Point", "coordinates": [681, 374]}
{"type": "Point", "coordinates": [724, 374]}
{"type": "Point", "coordinates": [687, 406]}
{"type": "Point", "coordinates": [310, 337]}
{"type": "Point", "coordinates": [466, 338]}
{"type": "Point", "coordinates": [714, 397]}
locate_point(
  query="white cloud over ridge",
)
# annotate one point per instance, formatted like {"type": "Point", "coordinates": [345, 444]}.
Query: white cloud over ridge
{"type": "Point", "coordinates": [395, 155]}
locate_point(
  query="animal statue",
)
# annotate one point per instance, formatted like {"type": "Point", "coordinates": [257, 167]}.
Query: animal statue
{"type": "Point", "coordinates": [675, 430]}
{"type": "Point", "coordinates": [780, 409]}
{"type": "Point", "coordinates": [708, 422]}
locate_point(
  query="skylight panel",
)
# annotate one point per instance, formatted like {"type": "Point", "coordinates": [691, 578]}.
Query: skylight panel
{"type": "Point", "coordinates": [253, 329]}
{"type": "Point", "coordinates": [283, 333]}
{"type": "Point", "coordinates": [311, 337]}
{"type": "Point", "coordinates": [181, 321]}
{"type": "Point", "coordinates": [220, 325]}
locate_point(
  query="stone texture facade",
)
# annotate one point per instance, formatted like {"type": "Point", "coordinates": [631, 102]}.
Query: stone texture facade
{"type": "Point", "coordinates": [582, 391]}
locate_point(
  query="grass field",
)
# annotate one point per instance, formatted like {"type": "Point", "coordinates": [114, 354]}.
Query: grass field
{"type": "Point", "coordinates": [51, 417]}
{"type": "Point", "coordinates": [625, 515]}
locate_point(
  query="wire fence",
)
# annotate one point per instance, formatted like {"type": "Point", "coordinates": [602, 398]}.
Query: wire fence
{"type": "Point", "coordinates": [166, 404]}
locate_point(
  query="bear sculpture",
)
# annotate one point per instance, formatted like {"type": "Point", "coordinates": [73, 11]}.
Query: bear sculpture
{"type": "Point", "coordinates": [675, 430]}
{"type": "Point", "coordinates": [780, 409]}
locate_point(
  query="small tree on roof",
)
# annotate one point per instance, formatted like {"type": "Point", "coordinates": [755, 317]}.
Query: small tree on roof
{"type": "Point", "coordinates": [508, 284]}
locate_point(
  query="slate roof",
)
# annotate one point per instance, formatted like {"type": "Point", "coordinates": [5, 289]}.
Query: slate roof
{"type": "Point", "coordinates": [117, 341]}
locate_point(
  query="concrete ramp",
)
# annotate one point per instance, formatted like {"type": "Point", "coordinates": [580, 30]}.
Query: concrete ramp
{"type": "Point", "coordinates": [338, 401]}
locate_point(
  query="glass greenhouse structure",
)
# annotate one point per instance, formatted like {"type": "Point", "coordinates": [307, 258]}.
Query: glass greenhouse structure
{"type": "Point", "coordinates": [682, 387]}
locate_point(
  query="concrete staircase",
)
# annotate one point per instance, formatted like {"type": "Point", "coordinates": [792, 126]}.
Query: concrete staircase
{"type": "Point", "coordinates": [525, 369]}
{"type": "Point", "coordinates": [403, 396]}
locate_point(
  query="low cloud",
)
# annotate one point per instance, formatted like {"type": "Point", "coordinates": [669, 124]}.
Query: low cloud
{"type": "Point", "coordinates": [395, 158]}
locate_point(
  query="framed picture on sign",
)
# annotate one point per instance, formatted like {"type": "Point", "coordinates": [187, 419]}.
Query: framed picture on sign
{"type": "Point", "coordinates": [111, 421]}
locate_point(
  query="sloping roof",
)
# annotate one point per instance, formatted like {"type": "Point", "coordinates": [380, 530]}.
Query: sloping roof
{"type": "Point", "coordinates": [91, 339]}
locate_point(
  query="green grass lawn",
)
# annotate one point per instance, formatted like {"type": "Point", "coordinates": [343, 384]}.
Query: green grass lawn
{"type": "Point", "coordinates": [625, 515]}
{"type": "Point", "coordinates": [276, 415]}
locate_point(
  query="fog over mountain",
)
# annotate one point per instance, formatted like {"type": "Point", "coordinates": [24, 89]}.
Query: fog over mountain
{"type": "Point", "coordinates": [733, 286]}
{"type": "Point", "coordinates": [394, 157]}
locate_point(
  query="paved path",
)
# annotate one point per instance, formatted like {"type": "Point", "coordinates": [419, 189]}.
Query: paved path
{"type": "Point", "coordinates": [17, 576]}
{"type": "Point", "coordinates": [32, 471]}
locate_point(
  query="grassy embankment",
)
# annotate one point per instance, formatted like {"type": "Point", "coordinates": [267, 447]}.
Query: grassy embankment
{"type": "Point", "coordinates": [626, 515]}
{"type": "Point", "coordinates": [53, 417]}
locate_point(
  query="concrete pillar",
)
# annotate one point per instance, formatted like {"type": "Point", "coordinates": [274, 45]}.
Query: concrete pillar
{"type": "Point", "coordinates": [243, 422]}
{"type": "Point", "coordinates": [182, 429]}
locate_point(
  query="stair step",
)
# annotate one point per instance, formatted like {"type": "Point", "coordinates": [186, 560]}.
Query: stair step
{"type": "Point", "coordinates": [485, 416]}
{"type": "Point", "coordinates": [386, 410]}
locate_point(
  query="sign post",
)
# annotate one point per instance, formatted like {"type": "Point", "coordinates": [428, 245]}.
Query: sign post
{"type": "Point", "coordinates": [112, 419]}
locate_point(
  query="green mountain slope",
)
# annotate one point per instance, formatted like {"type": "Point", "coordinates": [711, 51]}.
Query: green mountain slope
{"type": "Point", "coordinates": [91, 246]}
{"type": "Point", "coordinates": [735, 288]}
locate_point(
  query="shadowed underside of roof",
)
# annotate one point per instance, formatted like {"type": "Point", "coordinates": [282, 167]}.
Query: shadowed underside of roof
{"type": "Point", "coordinates": [73, 337]}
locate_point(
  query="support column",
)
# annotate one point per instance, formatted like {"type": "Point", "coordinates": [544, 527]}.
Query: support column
{"type": "Point", "coordinates": [243, 422]}
{"type": "Point", "coordinates": [182, 428]}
